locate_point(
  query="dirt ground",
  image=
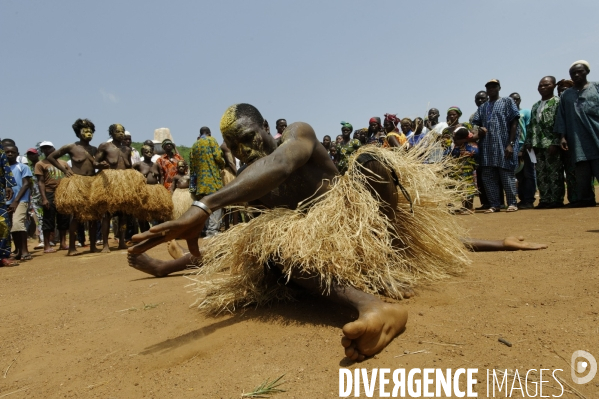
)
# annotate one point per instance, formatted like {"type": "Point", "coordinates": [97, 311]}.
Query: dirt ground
{"type": "Point", "coordinates": [91, 326]}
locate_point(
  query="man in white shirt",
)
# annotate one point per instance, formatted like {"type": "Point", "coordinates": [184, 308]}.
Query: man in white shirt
{"type": "Point", "coordinates": [433, 123]}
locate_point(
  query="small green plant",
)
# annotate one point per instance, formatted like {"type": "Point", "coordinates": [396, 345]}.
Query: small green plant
{"type": "Point", "coordinates": [265, 389]}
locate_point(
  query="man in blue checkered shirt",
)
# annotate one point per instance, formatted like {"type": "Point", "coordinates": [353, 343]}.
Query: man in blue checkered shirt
{"type": "Point", "coordinates": [498, 146]}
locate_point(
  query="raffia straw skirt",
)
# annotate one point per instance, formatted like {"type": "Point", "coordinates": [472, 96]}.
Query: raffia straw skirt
{"type": "Point", "coordinates": [342, 238]}
{"type": "Point", "coordinates": [227, 176]}
{"type": "Point", "coordinates": [182, 200]}
{"type": "Point", "coordinates": [159, 205]}
{"type": "Point", "coordinates": [119, 191]}
{"type": "Point", "coordinates": [72, 197]}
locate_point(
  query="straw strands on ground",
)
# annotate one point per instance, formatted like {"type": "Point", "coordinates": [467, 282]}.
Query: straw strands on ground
{"type": "Point", "coordinates": [343, 238]}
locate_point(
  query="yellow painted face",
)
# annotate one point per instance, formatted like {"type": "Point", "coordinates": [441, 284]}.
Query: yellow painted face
{"type": "Point", "coordinates": [242, 136]}
{"type": "Point", "coordinates": [86, 134]}
{"type": "Point", "coordinates": [119, 132]}
{"type": "Point", "coordinates": [146, 151]}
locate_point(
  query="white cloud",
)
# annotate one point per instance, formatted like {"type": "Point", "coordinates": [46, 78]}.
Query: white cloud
{"type": "Point", "coordinates": [109, 97]}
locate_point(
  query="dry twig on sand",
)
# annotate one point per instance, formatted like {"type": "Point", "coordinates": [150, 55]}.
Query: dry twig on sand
{"type": "Point", "coordinates": [265, 389]}
{"type": "Point", "coordinates": [439, 343]}
{"type": "Point", "coordinates": [10, 365]}
{"type": "Point", "coordinates": [411, 353]}
{"type": "Point", "coordinates": [10, 393]}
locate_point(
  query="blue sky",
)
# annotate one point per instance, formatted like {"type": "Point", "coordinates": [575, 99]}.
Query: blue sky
{"type": "Point", "coordinates": [180, 64]}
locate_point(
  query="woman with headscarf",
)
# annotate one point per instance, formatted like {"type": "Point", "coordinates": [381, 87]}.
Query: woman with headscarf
{"type": "Point", "coordinates": [375, 133]}
{"type": "Point", "coordinates": [394, 137]}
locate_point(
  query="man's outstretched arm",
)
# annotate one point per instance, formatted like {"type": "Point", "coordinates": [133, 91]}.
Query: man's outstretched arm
{"type": "Point", "coordinates": [256, 181]}
{"type": "Point", "coordinates": [267, 173]}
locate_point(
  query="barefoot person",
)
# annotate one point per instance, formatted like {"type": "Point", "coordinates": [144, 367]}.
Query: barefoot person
{"type": "Point", "coordinates": [283, 178]}
{"type": "Point", "coordinates": [83, 163]}
{"type": "Point", "coordinates": [114, 155]}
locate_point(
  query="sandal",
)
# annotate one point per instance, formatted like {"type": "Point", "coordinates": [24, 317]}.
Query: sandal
{"type": "Point", "coordinates": [492, 210]}
{"type": "Point", "coordinates": [26, 257]}
{"type": "Point", "coordinates": [8, 263]}
{"type": "Point", "coordinates": [49, 251]}
{"type": "Point", "coordinates": [512, 208]}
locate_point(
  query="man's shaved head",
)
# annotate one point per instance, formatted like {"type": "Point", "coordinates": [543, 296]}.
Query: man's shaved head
{"type": "Point", "coordinates": [238, 111]}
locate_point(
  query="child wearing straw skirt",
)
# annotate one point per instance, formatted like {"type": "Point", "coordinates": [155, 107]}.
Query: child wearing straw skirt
{"type": "Point", "coordinates": [182, 198]}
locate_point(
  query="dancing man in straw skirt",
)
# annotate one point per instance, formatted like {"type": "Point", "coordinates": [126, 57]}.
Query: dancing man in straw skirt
{"type": "Point", "coordinates": [396, 241]}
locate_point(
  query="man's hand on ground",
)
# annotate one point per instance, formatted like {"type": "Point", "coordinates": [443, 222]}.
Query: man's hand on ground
{"type": "Point", "coordinates": [187, 227]}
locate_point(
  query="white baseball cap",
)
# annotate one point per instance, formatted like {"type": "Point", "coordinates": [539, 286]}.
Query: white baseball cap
{"type": "Point", "coordinates": [127, 133]}
{"type": "Point", "coordinates": [46, 144]}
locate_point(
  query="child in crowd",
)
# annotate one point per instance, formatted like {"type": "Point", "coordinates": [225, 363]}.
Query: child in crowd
{"type": "Point", "coordinates": [467, 155]}
{"type": "Point", "coordinates": [333, 154]}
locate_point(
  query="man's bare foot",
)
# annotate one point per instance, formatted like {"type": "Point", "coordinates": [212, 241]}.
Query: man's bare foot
{"type": "Point", "coordinates": [73, 252]}
{"type": "Point", "coordinates": [175, 250]}
{"type": "Point", "coordinates": [376, 326]}
{"type": "Point", "coordinates": [518, 244]}
{"type": "Point", "coordinates": [105, 250]}
{"type": "Point", "coordinates": [157, 267]}
{"type": "Point", "coordinates": [93, 249]}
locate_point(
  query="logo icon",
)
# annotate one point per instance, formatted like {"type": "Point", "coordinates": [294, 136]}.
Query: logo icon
{"type": "Point", "coordinates": [581, 366]}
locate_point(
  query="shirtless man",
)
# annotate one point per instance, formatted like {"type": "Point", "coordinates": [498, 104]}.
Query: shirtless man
{"type": "Point", "coordinates": [83, 163]}
{"type": "Point", "coordinates": [299, 168]}
{"type": "Point", "coordinates": [114, 155]}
